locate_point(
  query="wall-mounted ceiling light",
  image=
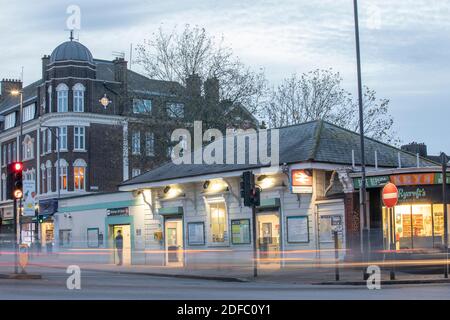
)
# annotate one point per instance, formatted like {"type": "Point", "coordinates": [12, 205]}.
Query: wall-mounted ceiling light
{"type": "Point", "coordinates": [262, 177]}
{"type": "Point", "coordinates": [266, 182]}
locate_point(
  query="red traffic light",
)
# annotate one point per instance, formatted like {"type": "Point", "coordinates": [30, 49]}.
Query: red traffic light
{"type": "Point", "coordinates": [18, 166]}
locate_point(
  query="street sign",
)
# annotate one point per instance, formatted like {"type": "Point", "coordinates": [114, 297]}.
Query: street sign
{"type": "Point", "coordinates": [390, 195]}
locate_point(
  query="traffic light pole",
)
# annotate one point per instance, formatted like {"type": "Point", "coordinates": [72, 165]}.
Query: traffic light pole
{"type": "Point", "coordinates": [16, 220]}
{"type": "Point", "coordinates": [255, 247]}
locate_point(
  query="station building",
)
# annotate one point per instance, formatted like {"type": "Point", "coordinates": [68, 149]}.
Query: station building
{"type": "Point", "coordinates": [193, 214]}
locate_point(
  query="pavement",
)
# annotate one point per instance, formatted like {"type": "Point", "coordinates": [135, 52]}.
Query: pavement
{"type": "Point", "coordinates": [302, 273]}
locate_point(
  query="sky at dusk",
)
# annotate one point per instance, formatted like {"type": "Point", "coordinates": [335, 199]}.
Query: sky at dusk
{"type": "Point", "coordinates": [405, 44]}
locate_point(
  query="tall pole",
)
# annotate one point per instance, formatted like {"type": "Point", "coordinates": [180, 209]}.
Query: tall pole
{"type": "Point", "coordinates": [58, 178]}
{"type": "Point", "coordinates": [365, 233]}
{"type": "Point", "coordinates": [444, 203]}
{"type": "Point", "coordinates": [255, 247]}
{"type": "Point", "coordinates": [20, 156]}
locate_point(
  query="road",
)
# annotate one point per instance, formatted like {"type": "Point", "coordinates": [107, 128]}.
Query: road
{"type": "Point", "coordinates": [106, 285]}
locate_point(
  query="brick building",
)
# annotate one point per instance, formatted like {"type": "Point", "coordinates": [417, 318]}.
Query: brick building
{"type": "Point", "coordinates": [107, 122]}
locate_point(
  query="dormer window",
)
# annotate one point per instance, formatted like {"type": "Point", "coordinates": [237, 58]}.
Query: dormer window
{"type": "Point", "coordinates": [28, 113]}
{"type": "Point", "coordinates": [10, 120]}
{"type": "Point", "coordinates": [78, 97]}
{"type": "Point", "coordinates": [142, 106]}
{"type": "Point", "coordinates": [62, 94]}
{"type": "Point", "coordinates": [175, 110]}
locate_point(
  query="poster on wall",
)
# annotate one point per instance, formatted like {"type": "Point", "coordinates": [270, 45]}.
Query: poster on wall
{"type": "Point", "coordinates": [240, 231]}
{"type": "Point", "coordinates": [92, 238]}
{"type": "Point", "coordinates": [327, 225]}
{"type": "Point", "coordinates": [196, 233]}
{"type": "Point", "coordinates": [297, 229]}
{"type": "Point", "coordinates": [29, 198]}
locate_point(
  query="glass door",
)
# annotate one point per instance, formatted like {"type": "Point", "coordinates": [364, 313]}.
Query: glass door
{"type": "Point", "coordinates": [174, 242]}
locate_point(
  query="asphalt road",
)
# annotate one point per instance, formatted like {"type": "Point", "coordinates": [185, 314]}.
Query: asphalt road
{"type": "Point", "coordinates": [105, 285]}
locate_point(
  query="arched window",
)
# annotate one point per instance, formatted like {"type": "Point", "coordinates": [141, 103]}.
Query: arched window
{"type": "Point", "coordinates": [49, 91]}
{"type": "Point", "coordinates": [79, 175]}
{"type": "Point", "coordinates": [4, 187]}
{"type": "Point", "coordinates": [28, 148]}
{"type": "Point", "coordinates": [62, 174]}
{"type": "Point", "coordinates": [62, 94]}
{"type": "Point", "coordinates": [78, 97]}
{"type": "Point", "coordinates": [44, 179]}
{"type": "Point", "coordinates": [48, 165]}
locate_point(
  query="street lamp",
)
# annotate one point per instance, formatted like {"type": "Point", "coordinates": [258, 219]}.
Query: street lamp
{"type": "Point", "coordinates": [366, 231]}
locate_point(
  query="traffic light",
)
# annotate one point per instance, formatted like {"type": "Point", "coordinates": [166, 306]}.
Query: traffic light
{"type": "Point", "coordinates": [14, 180]}
{"type": "Point", "coordinates": [247, 184]}
{"type": "Point", "coordinates": [249, 191]}
{"type": "Point", "coordinates": [40, 218]}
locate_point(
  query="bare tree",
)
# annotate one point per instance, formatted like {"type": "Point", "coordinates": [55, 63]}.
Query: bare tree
{"type": "Point", "coordinates": [318, 94]}
{"type": "Point", "coordinates": [174, 56]}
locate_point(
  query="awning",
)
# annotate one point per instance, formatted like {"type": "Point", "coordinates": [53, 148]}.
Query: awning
{"type": "Point", "coordinates": [170, 211]}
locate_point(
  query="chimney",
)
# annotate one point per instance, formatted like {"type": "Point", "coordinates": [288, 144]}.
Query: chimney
{"type": "Point", "coordinates": [45, 63]}
{"type": "Point", "coordinates": [194, 86]}
{"type": "Point", "coordinates": [9, 85]}
{"type": "Point", "coordinates": [416, 148]}
{"type": "Point", "coordinates": [211, 89]}
{"type": "Point", "coordinates": [120, 70]}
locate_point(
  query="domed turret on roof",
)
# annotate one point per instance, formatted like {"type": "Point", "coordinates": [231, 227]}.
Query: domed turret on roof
{"type": "Point", "coordinates": [71, 50]}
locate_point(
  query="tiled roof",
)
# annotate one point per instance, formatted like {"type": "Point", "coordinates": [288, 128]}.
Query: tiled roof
{"type": "Point", "coordinates": [316, 141]}
{"type": "Point", "coordinates": [29, 93]}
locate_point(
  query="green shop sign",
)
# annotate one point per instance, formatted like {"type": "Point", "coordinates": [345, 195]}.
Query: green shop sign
{"type": "Point", "coordinates": [371, 182]}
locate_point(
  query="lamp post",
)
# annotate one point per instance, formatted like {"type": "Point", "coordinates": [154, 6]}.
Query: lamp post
{"type": "Point", "coordinates": [366, 232]}
{"type": "Point", "coordinates": [444, 160]}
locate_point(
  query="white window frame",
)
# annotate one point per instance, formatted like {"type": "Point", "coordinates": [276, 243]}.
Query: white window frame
{"type": "Point", "coordinates": [63, 172]}
{"type": "Point", "coordinates": [136, 142]}
{"type": "Point", "coordinates": [62, 138]}
{"type": "Point", "coordinates": [79, 164]}
{"type": "Point", "coordinates": [147, 105]}
{"type": "Point", "coordinates": [62, 94]}
{"type": "Point", "coordinates": [27, 148]}
{"type": "Point", "coordinates": [10, 120]}
{"type": "Point", "coordinates": [49, 92]}
{"type": "Point", "coordinates": [211, 204]}
{"type": "Point", "coordinates": [78, 97]}
{"type": "Point", "coordinates": [135, 172]}
{"type": "Point", "coordinates": [172, 110]}
{"type": "Point", "coordinates": [4, 187]}
{"type": "Point", "coordinates": [29, 112]}
{"type": "Point", "coordinates": [79, 138]}
{"type": "Point", "coordinates": [44, 178]}
{"type": "Point", "coordinates": [49, 176]}
{"type": "Point", "coordinates": [149, 143]}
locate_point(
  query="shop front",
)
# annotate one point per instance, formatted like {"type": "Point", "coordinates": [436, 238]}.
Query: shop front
{"type": "Point", "coordinates": [418, 218]}
{"type": "Point", "coordinates": [417, 221]}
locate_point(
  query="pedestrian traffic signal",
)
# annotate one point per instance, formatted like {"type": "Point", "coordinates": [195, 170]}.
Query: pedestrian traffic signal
{"type": "Point", "coordinates": [249, 191]}
{"type": "Point", "coordinates": [14, 183]}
